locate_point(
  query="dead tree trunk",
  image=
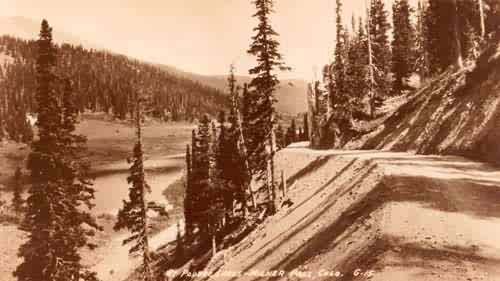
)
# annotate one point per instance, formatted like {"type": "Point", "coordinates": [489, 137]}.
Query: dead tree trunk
{"type": "Point", "coordinates": [243, 149]}
{"type": "Point", "coordinates": [458, 45]}
{"type": "Point", "coordinates": [481, 15]}
{"type": "Point", "coordinates": [214, 246]}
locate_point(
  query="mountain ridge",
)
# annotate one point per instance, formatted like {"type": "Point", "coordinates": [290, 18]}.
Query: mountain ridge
{"type": "Point", "coordinates": [291, 95]}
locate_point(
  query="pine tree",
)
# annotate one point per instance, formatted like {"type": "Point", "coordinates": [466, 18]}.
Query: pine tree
{"type": "Point", "coordinates": [134, 214]}
{"type": "Point", "coordinates": [263, 86]}
{"type": "Point", "coordinates": [356, 71]}
{"type": "Point", "coordinates": [215, 191]}
{"type": "Point", "coordinates": [226, 150]}
{"type": "Point", "coordinates": [17, 199]}
{"type": "Point", "coordinates": [339, 97]}
{"type": "Point", "coordinates": [371, 68]}
{"type": "Point", "coordinates": [402, 46]}
{"type": "Point", "coordinates": [442, 35]}
{"type": "Point", "coordinates": [432, 36]}
{"type": "Point", "coordinates": [242, 174]}
{"type": "Point", "coordinates": [200, 181]}
{"type": "Point", "coordinates": [421, 57]}
{"type": "Point", "coordinates": [56, 220]}
{"type": "Point", "coordinates": [379, 28]}
{"type": "Point", "coordinates": [235, 168]}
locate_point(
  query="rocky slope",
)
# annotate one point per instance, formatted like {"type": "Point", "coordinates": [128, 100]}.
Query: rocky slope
{"type": "Point", "coordinates": [458, 113]}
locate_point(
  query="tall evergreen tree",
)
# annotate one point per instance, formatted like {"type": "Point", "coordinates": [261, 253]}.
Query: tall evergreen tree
{"type": "Point", "coordinates": [216, 189]}
{"type": "Point", "coordinates": [261, 142]}
{"type": "Point", "coordinates": [432, 35]}
{"type": "Point", "coordinates": [379, 27]}
{"type": "Point", "coordinates": [339, 97]}
{"type": "Point", "coordinates": [237, 132]}
{"type": "Point", "coordinates": [226, 149]}
{"type": "Point", "coordinates": [442, 39]}
{"type": "Point", "coordinates": [56, 220]}
{"type": "Point", "coordinates": [134, 214]}
{"type": "Point", "coordinates": [200, 181]}
{"type": "Point", "coordinates": [356, 71]}
{"type": "Point", "coordinates": [402, 45]}
{"type": "Point", "coordinates": [421, 56]}
{"type": "Point", "coordinates": [371, 68]}
{"type": "Point", "coordinates": [236, 169]}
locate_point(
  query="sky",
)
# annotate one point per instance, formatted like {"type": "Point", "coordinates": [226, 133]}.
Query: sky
{"type": "Point", "coordinates": [200, 36]}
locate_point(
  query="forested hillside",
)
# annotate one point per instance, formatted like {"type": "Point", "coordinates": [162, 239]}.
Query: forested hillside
{"type": "Point", "coordinates": [101, 81]}
{"type": "Point", "coordinates": [457, 113]}
{"type": "Point", "coordinates": [380, 58]}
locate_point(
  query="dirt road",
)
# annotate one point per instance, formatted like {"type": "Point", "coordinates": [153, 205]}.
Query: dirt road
{"type": "Point", "coordinates": [397, 216]}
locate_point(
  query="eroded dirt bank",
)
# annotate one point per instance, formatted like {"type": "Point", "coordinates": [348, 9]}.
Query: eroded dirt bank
{"type": "Point", "coordinates": [457, 113]}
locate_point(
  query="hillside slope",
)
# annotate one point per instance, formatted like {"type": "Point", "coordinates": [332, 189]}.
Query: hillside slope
{"type": "Point", "coordinates": [458, 113]}
{"type": "Point", "coordinates": [380, 215]}
{"type": "Point", "coordinates": [103, 82]}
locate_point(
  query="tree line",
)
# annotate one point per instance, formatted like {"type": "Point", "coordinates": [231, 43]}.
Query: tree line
{"type": "Point", "coordinates": [101, 81]}
{"type": "Point", "coordinates": [376, 58]}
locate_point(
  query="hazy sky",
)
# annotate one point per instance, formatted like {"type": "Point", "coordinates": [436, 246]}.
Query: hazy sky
{"type": "Point", "coordinates": [201, 36]}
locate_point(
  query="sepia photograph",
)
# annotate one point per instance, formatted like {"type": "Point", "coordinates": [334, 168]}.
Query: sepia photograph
{"type": "Point", "coordinates": [252, 140]}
